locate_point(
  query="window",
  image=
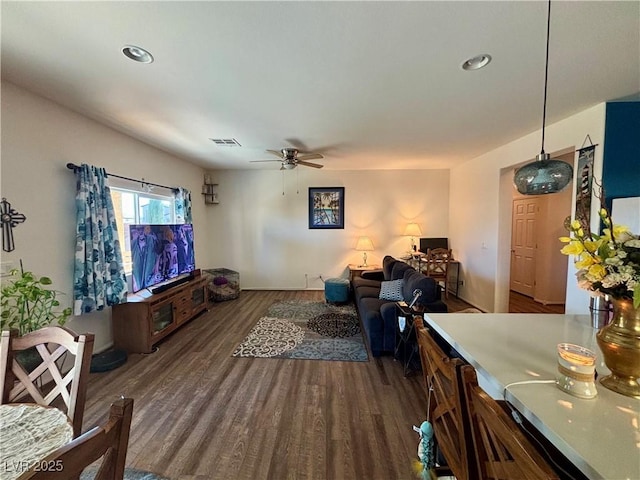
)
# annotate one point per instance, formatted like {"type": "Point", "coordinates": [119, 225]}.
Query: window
{"type": "Point", "coordinates": [134, 207]}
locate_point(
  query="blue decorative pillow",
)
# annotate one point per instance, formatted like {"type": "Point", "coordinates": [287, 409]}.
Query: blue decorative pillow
{"type": "Point", "coordinates": [391, 290]}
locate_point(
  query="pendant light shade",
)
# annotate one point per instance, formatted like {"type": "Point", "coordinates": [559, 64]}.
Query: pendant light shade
{"type": "Point", "coordinates": [544, 175]}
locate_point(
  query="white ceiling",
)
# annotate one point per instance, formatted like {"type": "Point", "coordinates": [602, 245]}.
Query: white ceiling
{"type": "Point", "coordinates": [369, 84]}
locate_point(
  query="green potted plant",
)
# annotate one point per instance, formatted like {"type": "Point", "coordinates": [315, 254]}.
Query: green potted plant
{"type": "Point", "coordinates": [27, 304]}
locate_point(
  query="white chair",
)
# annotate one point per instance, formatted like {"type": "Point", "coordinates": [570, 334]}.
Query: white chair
{"type": "Point", "coordinates": [49, 379]}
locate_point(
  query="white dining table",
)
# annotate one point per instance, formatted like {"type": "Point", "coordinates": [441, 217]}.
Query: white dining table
{"type": "Point", "coordinates": [28, 433]}
{"type": "Point", "coordinates": [600, 436]}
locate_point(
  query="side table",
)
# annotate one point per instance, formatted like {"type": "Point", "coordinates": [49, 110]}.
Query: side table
{"type": "Point", "coordinates": [406, 346]}
{"type": "Point", "coordinates": [356, 270]}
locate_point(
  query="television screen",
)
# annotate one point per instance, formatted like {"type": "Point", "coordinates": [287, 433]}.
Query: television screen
{"type": "Point", "coordinates": [160, 253]}
{"type": "Point", "coordinates": [427, 243]}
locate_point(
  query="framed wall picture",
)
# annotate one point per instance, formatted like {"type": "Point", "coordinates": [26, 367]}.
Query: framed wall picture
{"type": "Point", "coordinates": [326, 207]}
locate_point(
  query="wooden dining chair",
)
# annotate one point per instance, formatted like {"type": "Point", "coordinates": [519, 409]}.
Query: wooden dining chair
{"type": "Point", "coordinates": [50, 378]}
{"type": "Point", "coordinates": [502, 451]}
{"type": "Point", "coordinates": [445, 409]}
{"type": "Point", "coordinates": [437, 266]}
{"type": "Point", "coordinates": [108, 442]}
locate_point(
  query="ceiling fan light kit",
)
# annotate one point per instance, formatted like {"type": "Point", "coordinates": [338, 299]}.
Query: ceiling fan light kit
{"type": "Point", "coordinates": [544, 175]}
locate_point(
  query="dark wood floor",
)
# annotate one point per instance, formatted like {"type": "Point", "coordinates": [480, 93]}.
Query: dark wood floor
{"type": "Point", "coordinates": [201, 414]}
{"type": "Point", "coordinates": [519, 303]}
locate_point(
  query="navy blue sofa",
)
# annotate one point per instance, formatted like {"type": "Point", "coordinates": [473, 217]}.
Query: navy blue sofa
{"type": "Point", "coordinates": [378, 316]}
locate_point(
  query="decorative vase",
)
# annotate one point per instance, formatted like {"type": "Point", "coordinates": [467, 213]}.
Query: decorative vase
{"type": "Point", "coordinates": [619, 342]}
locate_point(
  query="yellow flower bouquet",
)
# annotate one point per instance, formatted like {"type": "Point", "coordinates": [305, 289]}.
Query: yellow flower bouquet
{"type": "Point", "coordinates": [608, 264]}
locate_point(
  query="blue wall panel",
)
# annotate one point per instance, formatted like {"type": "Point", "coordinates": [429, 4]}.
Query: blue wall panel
{"type": "Point", "coordinates": [621, 156]}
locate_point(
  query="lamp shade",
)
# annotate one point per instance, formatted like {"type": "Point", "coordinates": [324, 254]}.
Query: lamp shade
{"type": "Point", "coordinates": [364, 244]}
{"type": "Point", "coordinates": [412, 230]}
{"type": "Point", "coordinates": [544, 175]}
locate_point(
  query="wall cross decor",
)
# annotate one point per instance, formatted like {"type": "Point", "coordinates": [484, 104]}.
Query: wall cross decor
{"type": "Point", "coordinates": [10, 218]}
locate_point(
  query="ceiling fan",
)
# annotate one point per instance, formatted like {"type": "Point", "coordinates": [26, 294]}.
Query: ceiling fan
{"type": "Point", "coordinates": [290, 158]}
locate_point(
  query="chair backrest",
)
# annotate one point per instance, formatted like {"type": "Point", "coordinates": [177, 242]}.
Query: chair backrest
{"type": "Point", "coordinates": [49, 378]}
{"type": "Point", "coordinates": [108, 441]}
{"type": "Point", "coordinates": [437, 262]}
{"type": "Point", "coordinates": [502, 450]}
{"type": "Point", "coordinates": [444, 404]}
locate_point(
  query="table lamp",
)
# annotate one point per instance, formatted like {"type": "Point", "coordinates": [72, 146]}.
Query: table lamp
{"type": "Point", "coordinates": [412, 230]}
{"type": "Point", "coordinates": [364, 245]}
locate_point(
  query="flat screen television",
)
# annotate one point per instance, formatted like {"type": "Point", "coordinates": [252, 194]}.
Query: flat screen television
{"type": "Point", "coordinates": [160, 254]}
{"type": "Point", "coordinates": [427, 243]}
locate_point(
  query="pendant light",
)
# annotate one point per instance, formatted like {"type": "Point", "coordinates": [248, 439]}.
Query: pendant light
{"type": "Point", "coordinates": [544, 175]}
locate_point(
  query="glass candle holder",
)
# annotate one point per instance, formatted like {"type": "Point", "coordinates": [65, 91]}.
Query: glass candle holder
{"type": "Point", "coordinates": [576, 370]}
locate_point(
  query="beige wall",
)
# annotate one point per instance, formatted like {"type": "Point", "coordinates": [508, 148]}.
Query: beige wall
{"type": "Point", "coordinates": [480, 209]}
{"type": "Point", "coordinates": [38, 139]}
{"type": "Point", "coordinates": [264, 235]}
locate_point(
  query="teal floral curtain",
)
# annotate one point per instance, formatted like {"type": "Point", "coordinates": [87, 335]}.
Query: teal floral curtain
{"type": "Point", "coordinates": [99, 278]}
{"type": "Point", "coordinates": [183, 205]}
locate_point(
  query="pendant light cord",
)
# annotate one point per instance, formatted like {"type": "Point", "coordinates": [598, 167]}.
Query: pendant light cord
{"type": "Point", "coordinates": [546, 76]}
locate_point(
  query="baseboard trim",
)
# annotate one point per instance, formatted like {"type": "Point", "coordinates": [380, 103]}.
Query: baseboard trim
{"type": "Point", "coordinates": [545, 302]}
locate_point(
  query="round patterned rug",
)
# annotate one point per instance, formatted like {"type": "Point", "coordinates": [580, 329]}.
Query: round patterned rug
{"type": "Point", "coordinates": [306, 330]}
{"type": "Point", "coordinates": [334, 325]}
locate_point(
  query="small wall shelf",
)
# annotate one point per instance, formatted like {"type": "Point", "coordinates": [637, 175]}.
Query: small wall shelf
{"type": "Point", "coordinates": [210, 191]}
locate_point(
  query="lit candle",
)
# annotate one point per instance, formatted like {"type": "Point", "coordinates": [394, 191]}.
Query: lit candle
{"type": "Point", "coordinates": [576, 370]}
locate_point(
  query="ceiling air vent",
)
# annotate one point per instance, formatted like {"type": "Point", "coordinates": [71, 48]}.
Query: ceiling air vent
{"type": "Point", "coordinates": [226, 142]}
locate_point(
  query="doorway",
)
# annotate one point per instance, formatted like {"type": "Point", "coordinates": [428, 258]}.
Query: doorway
{"type": "Point", "coordinates": [538, 271]}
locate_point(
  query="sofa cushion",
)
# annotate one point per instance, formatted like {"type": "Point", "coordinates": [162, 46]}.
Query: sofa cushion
{"type": "Point", "coordinates": [397, 272]}
{"type": "Point", "coordinates": [358, 282]}
{"type": "Point", "coordinates": [387, 265]}
{"type": "Point", "coordinates": [414, 280]}
{"type": "Point", "coordinates": [377, 275]}
{"type": "Point", "coordinates": [391, 290]}
{"type": "Point", "coordinates": [366, 291]}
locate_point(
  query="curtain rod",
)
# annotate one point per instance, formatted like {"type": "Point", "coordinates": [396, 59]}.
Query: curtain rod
{"type": "Point", "coordinates": [74, 167]}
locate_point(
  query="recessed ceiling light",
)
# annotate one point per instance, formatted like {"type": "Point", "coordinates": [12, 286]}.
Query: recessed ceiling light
{"type": "Point", "coordinates": [137, 54]}
{"type": "Point", "coordinates": [477, 62]}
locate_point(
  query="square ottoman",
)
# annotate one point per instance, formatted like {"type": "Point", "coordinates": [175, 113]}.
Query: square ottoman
{"type": "Point", "coordinates": [336, 290]}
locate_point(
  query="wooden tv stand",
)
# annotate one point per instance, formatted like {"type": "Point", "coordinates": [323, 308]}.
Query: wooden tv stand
{"type": "Point", "coordinates": [147, 318]}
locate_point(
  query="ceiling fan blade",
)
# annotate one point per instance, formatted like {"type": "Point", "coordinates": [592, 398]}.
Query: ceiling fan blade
{"type": "Point", "coordinates": [303, 147]}
{"type": "Point", "coordinates": [277, 153]}
{"type": "Point", "coordinates": [297, 143]}
{"type": "Point", "coordinates": [256, 161]}
{"type": "Point", "coordinates": [309, 156]}
{"type": "Point", "coordinates": [309, 164]}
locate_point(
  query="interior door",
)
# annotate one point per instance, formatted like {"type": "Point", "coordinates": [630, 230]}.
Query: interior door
{"type": "Point", "coordinates": [523, 245]}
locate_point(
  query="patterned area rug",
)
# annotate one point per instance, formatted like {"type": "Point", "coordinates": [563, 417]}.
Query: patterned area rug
{"type": "Point", "coordinates": [306, 330]}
